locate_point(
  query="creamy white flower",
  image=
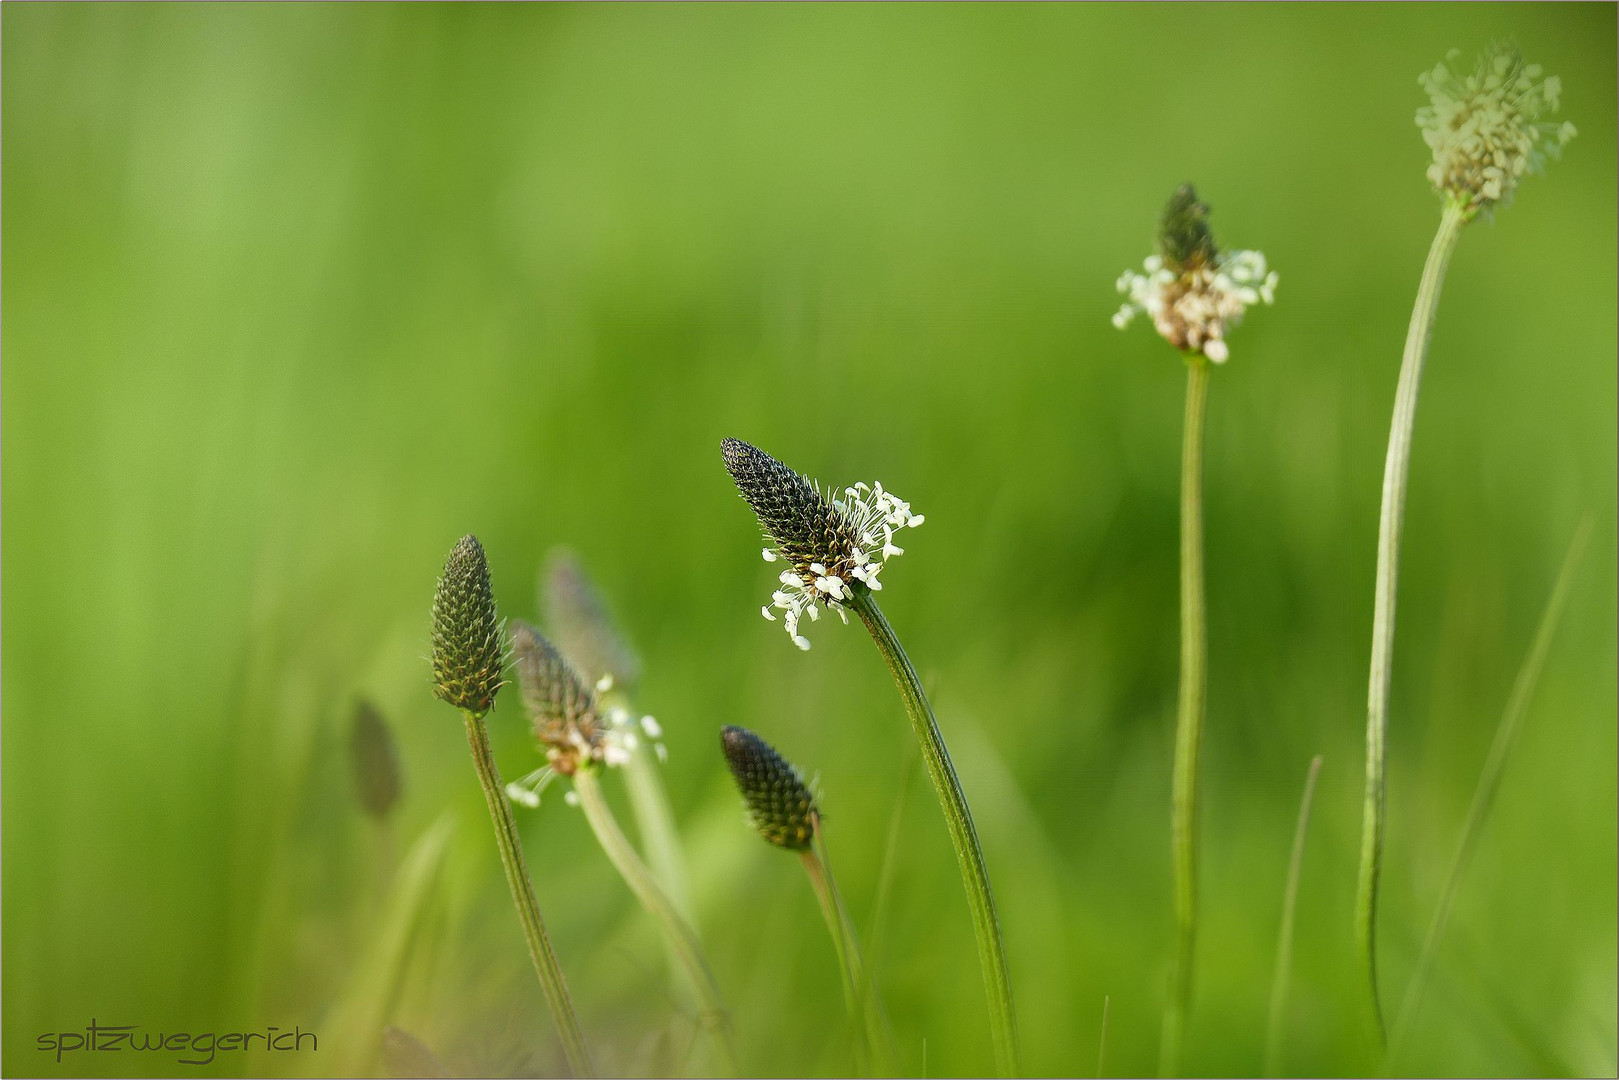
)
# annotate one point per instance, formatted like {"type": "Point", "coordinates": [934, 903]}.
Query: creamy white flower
{"type": "Point", "coordinates": [525, 791]}
{"type": "Point", "coordinates": [871, 517]}
{"type": "Point", "coordinates": [621, 735]}
{"type": "Point", "coordinates": [1193, 309]}
{"type": "Point", "coordinates": [1484, 128]}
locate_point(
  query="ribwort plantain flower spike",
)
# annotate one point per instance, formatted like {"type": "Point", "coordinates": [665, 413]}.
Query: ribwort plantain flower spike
{"type": "Point", "coordinates": [468, 659]}
{"type": "Point", "coordinates": [576, 613]}
{"type": "Point", "coordinates": [781, 806]}
{"type": "Point", "coordinates": [1486, 135]}
{"type": "Point", "coordinates": [832, 544]}
{"type": "Point", "coordinates": [374, 760]}
{"type": "Point", "coordinates": [569, 720]}
{"type": "Point", "coordinates": [468, 652]}
{"type": "Point", "coordinates": [834, 549]}
{"type": "Point", "coordinates": [1193, 291]}
{"type": "Point", "coordinates": [1485, 128]}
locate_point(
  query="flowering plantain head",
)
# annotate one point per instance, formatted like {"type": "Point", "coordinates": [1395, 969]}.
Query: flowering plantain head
{"type": "Point", "coordinates": [831, 544]}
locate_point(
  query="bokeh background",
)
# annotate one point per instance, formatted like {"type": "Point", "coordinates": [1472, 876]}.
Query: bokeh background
{"type": "Point", "coordinates": [297, 295]}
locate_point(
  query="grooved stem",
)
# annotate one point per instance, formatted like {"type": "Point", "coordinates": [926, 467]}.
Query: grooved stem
{"type": "Point", "coordinates": [1390, 523]}
{"type": "Point", "coordinates": [528, 908]}
{"type": "Point", "coordinates": [969, 854]}
{"type": "Point", "coordinates": [621, 854]}
{"type": "Point", "coordinates": [1188, 719]}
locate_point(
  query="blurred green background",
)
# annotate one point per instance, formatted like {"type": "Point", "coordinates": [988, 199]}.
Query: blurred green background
{"type": "Point", "coordinates": [297, 295]}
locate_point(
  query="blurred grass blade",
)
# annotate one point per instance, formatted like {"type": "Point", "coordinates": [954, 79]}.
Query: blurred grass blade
{"type": "Point", "coordinates": [715, 1018]}
{"type": "Point", "coordinates": [368, 1002]}
{"type": "Point", "coordinates": [1101, 1042]}
{"type": "Point", "coordinates": [1284, 947]}
{"type": "Point", "coordinates": [1523, 689]}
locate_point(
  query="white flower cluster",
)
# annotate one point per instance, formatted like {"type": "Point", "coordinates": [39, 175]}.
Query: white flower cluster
{"type": "Point", "coordinates": [618, 738]}
{"type": "Point", "coordinates": [1485, 130]}
{"type": "Point", "coordinates": [1193, 310]}
{"type": "Point", "coordinates": [870, 515]}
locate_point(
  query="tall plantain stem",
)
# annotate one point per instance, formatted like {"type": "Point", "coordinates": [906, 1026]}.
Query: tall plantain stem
{"type": "Point", "coordinates": [528, 908]}
{"type": "Point", "coordinates": [1390, 524]}
{"type": "Point", "coordinates": [1189, 718]}
{"type": "Point", "coordinates": [970, 856]}
{"type": "Point", "coordinates": [622, 855]}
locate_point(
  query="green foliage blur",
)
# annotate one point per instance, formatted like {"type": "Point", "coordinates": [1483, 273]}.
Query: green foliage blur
{"type": "Point", "coordinates": [295, 296]}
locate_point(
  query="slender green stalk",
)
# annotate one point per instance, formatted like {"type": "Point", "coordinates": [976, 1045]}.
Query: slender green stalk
{"type": "Point", "coordinates": [1390, 524]}
{"type": "Point", "coordinates": [1189, 718]}
{"type": "Point", "coordinates": [528, 908]}
{"type": "Point", "coordinates": [622, 855]}
{"type": "Point", "coordinates": [654, 821]}
{"type": "Point", "coordinates": [1284, 944]}
{"type": "Point", "coordinates": [865, 1010]}
{"type": "Point", "coordinates": [969, 854]}
{"type": "Point", "coordinates": [1523, 689]}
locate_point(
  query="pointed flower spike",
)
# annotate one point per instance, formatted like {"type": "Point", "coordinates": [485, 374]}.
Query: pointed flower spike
{"type": "Point", "coordinates": [780, 805]}
{"type": "Point", "coordinates": [468, 652]}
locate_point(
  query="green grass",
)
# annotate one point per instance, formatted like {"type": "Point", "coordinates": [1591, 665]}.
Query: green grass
{"type": "Point", "coordinates": [296, 296]}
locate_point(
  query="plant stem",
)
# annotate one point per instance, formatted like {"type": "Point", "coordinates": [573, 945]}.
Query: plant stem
{"type": "Point", "coordinates": [1523, 688]}
{"type": "Point", "coordinates": [1189, 718]}
{"type": "Point", "coordinates": [655, 823]}
{"type": "Point", "coordinates": [1284, 946]}
{"type": "Point", "coordinates": [865, 1011]}
{"type": "Point", "coordinates": [660, 842]}
{"type": "Point", "coordinates": [969, 854]}
{"type": "Point", "coordinates": [528, 908]}
{"type": "Point", "coordinates": [1390, 523]}
{"type": "Point", "coordinates": [622, 855]}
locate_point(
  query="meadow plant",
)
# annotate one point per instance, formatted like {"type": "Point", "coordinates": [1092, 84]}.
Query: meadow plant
{"type": "Point", "coordinates": [582, 738]}
{"type": "Point", "coordinates": [1485, 131]}
{"type": "Point", "coordinates": [1194, 293]}
{"type": "Point", "coordinates": [378, 784]}
{"type": "Point", "coordinates": [834, 547]}
{"type": "Point", "coordinates": [785, 812]}
{"type": "Point", "coordinates": [585, 633]}
{"type": "Point", "coordinates": [469, 659]}
{"type": "Point", "coordinates": [374, 762]}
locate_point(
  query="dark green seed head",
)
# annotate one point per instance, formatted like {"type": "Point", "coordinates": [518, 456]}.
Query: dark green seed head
{"type": "Point", "coordinates": [1184, 238]}
{"type": "Point", "coordinates": [374, 760]}
{"type": "Point", "coordinates": [468, 653]}
{"type": "Point", "coordinates": [576, 614]}
{"type": "Point", "coordinates": [560, 704]}
{"type": "Point", "coordinates": [797, 518]}
{"type": "Point", "coordinates": [780, 805]}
